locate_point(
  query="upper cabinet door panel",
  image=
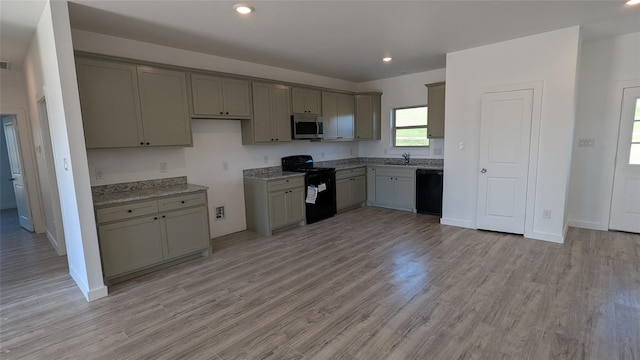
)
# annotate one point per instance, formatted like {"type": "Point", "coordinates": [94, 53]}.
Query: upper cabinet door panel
{"type": "Point", "coordinates": [236, 98]}
{"type": "Point", "coordinates": [281, 117]}
{"type": "Point", "coordinates": [330, 115]}
{"type": "Point", "coordinates": [262, 112]}
{"type": "Point", "coordinates": [110, 104]}
{"type": "Point", "coordinates": [435, 109]}
{"type": "Point", "coordinates": [165, 111]}
{"type": "Point", "coordinates": [207, 95]}
{"type": "Point", "coordinates": [345, 108]}
{"type": "Point", "coordinates": [305, 101]}
{"type": "Point", "coordinates": [364, 115]}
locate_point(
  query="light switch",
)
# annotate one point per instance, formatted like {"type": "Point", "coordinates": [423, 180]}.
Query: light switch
{"type": "Point", "coordinates": [586, 142]}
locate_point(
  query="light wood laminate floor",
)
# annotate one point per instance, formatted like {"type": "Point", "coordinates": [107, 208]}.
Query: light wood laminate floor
{"type": "Point", "coordinates": [368, 284]}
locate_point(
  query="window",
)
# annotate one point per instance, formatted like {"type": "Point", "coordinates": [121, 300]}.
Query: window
{"type": "Point", "coordinates": [634, 156]}
{"type": "Point", "coordinates": [410, 127]}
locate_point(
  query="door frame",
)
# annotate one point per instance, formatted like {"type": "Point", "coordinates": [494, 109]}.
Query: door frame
{"type": "Point", "coordinates": [27, 154]}
{"type": "Point", "coordinates": [616, 116]}
{"type": "Point", "coordinates": [536, 119]}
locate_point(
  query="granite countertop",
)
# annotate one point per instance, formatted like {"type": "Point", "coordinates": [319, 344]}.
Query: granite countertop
{"type": "Point", "coordinates": [142, 190]}
{"type": "Point", "coordinates": [274, 175]}
{"type": "Point", "coordinates": [275, 172]}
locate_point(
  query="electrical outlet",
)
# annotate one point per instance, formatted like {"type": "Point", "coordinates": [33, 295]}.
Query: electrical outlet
{"type": "Point", "coordinates": [219, 212]}
{"type": "Point", "coordinates": [586, 142]}
{"type": "Point", "coordinates": [164, 167]}
{"type": "Point", "coordinates": [98, 173]}
{"type": "Point", "coordinates": [546, 214]}
{"type": "Point", "coordinates": [225, 165]}
{"type": "Point", "coordinates": [461, 145]}
{"type": "Point", "coordinates": [65, 163]}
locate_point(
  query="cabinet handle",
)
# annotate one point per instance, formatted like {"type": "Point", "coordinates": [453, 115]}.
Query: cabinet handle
{"type": "Point", "coordinates": [164, 216]}
{"type": "Point", "coordinates": [227, 113]}
{"type": "Point", "coordinates": [141, 143]}
{"type": "Point", "coordinates": [277, 139]}
{"type": "Point", "coordinates": [148, 144]}
{"type": "Point", "coordinates": [221, 112]}
{"type": "Point", "coordinates": [129, 211]}
{"type": "Point", "coordinates": [155, 218]}
{"type": "Point", "coordinates": [182, 201]}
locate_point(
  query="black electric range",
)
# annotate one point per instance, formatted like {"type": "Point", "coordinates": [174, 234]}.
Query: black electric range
{"type": "Point", "coordinates": [321, 180]}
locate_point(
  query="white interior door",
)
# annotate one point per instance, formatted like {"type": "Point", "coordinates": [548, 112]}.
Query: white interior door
{"type": "Point", "coordinates": [15, 163]}
{"type": "Point", "coordinates": [625, 202]}
{"type": "Point", "coordinates": [505, 134]}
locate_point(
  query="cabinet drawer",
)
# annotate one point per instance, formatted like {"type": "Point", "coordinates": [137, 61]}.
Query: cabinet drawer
{"type": "Point", "coordinates": [341, 174]}
{"type": "Point", "coordinates": [395, 172]}
{"type": "Point", "coordinates": [277, 185]}
{"type": "Point", "coordinates": [180, 202]}
{"type": "Point", "coordinates": [126, 211]}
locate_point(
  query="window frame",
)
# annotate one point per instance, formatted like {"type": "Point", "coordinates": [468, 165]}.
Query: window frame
{"type": "Point", "coordinates": [394, 127]}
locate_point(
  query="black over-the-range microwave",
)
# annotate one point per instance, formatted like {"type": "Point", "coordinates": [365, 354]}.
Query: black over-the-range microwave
{"type": "Point", "coordinates": [306, 127]}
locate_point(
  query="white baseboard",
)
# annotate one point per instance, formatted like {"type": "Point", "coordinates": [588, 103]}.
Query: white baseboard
{"type": "Point", "coordinates": [457, 222]}
{"type": "Point", "coordinates": [92, 294]}
{"type": "Point", "coordinates": [591, 225]}
{"type": "Point", "coordinates": [545, 237]}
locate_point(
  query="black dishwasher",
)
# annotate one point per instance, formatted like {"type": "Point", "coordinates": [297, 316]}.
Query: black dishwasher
{"type": "Point", "coordinates": [429, 191]}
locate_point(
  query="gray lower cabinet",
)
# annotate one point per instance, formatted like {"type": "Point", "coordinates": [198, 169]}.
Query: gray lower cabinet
{"type": "Point", "coordinates": [274, 204]}
{"type": "Point", "coordinates": [392, 187]}
{"type": "Point", "coordinates": [137, 236]}
{"type": "Point", "coordinates": [128, 105]}
{"type": "Point", "coordinates": [351, 187]}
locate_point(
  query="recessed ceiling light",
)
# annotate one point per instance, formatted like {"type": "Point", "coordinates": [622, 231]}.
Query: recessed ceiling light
{"type": "Point", "coordinates": [387, 59]}
{"type": "Point", "coordinates": [243, 8]}
{"type": "Point", "coordinates": [633, 2]}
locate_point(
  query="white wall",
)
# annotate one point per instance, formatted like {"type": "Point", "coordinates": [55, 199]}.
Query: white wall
{"type": "Point", "coordinates": [13, 100]}
{"type": "Point", "coordinates": [605, 65]}
{"type": "Point", "coordinates": [49, 63]}
{"type": "Point", "coordinates": [401, 91]}
{"type": "Point", "coordinates": [214, 141]}
{"type": "Point", "coordinates": [548, 58]}
{"type": "Point", "coordinates": [7, 196]}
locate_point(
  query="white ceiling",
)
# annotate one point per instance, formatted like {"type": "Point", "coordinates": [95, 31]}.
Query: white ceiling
{"type": "Point", "coordinates": [344, 39]}
{"type": "Point", "coordinates": [18, 21]}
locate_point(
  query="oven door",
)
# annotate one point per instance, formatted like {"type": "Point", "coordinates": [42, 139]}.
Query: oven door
{"type": "Point", "coordinates": [325, 204]}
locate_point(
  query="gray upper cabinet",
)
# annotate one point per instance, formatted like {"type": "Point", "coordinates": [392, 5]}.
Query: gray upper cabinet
{"type": "Point", "coordinates": [165, 109]}
{"type": "Point", "coordinates": [368, 111]}
{"type": "Point", "coordinates": [339, 116]}
{"type": "Point", "coordinates": [305, 101]}
{"type": "Point", "coordinates": [271, 120]}
{"type": "Point", "coordinates": [125, 105]}
{"type": "Point", "coordinates": [110, 104]}
{"type": "Point", "coordinates": [220, 97]}
{"type": "Point", "coordinates": [435, 109]}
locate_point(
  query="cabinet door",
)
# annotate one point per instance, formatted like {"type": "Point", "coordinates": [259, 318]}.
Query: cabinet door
{"type": "Point", "coordinates": [345, 110]}
{"type": "Point", "coordinates": [165, 111]}
{"type": "Point", "coordinates": [385, 189]}
{"type": "Point", "coordinates": [130, 245]}
{"type": "Point", "coordinates": [296, 205]}
{"type": "Point", "coordinates": [371, 184]}
{"type": "Point", "coordinates": [358, 190]}
{"type": "Point", "coordinates": [312, 101]}
{"type": "Point", "coordinates": [110, 104]}
{"type": "Point", "coordinates": [206, 94]}
{"type": "Point", "coordinates": [435, 110]}
{"type": "Point", "coordinates": [185, 232]}
{"type": "Point", "coordinates": [364, 115]}
{"type": "Point", "coordinates": [277, 208]}
{"type": "Point", "coordinates": [297, 101]}
{"type": "Point", "coordinates": [237, 101]}
{"type": "Point", "coordinates": [330, 115]}
{"type": "Point", "coordinates": [262, 112]}
{"type": "Point", "coordinates": [405, 190]}
{"type": "Point", "coordinates": [343, 193]}
{"type": "Point", "coordinates": [281, 114]}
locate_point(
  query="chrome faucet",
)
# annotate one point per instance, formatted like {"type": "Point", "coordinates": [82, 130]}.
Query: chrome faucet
{"type": "Point", "coordinates": [406, 157]}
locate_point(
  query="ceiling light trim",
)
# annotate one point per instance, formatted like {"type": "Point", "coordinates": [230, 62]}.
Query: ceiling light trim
{"type": "Point", "coordinates": [243, 9]}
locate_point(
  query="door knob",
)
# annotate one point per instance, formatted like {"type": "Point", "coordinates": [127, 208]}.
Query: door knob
{"type": "Point", "coordinates": [483, 170]}
{"type": "Point", "coordinates": [11, 179]}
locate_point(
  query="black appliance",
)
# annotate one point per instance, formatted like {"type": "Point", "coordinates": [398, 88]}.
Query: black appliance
{"type": "Point", "coordinates": [306, 127]}
{"type": "Point", "coordinates": [429, 191]}
{"type": "Point", "coordinates": [322, 178]}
